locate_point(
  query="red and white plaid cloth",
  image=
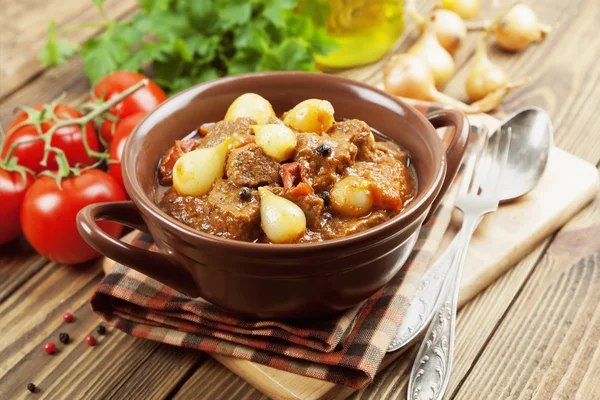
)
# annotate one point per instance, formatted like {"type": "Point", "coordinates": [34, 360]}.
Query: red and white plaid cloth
{"type": "Point", "coordinates": [346, 348]}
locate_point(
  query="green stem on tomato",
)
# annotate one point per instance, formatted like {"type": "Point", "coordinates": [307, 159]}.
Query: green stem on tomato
{"type": "Point", "coordinates": [64, 170]}
{"type": "Point", "coordinates": [14, 146]}
{"type": "Point", "coordinates": [82, 121]}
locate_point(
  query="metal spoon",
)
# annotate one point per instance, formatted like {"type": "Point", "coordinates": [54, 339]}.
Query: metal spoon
{"type": "Point", "coordinates": [531, 141]}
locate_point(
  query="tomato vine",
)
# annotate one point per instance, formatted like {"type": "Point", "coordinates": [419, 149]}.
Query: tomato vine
{"type": "Point", "coordinates": [45, 114]}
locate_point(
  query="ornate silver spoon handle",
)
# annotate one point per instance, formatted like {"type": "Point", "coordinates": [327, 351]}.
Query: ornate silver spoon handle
{"type": "Point", "coordinates": [431, 370]}
{"type": "Point", "coordinates": [426, 299]}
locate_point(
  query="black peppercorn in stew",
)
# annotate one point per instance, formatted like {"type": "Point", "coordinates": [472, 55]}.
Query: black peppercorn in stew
{"type": "Point", "coordinates": [300, 178]}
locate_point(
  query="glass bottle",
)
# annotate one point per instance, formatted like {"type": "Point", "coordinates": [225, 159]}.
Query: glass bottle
{"type": "Point", "coordinates": [364, 29]}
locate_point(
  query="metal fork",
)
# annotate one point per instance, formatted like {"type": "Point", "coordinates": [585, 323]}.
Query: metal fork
{"type": "Point", "coordinates": [427, 298]}
{"type": "Point", "coordinates": [477, 196]}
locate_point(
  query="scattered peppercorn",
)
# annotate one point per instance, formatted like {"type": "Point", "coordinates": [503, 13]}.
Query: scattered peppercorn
{"type": "Point", "coordinates": [101, 329]}
{"type": "Point", "coordinates": [245, 193]}
{"type": "Point", "coordinates": [31, 387]}
{"type": "Point", "coordinates": [324, 149]}
{"type": "Point", "coordinates": [326, 196]}
{"type": "Point", "coordinates": [68, 317]}
{"type": "Point", "coordinates": [50, 348]}
{"type": "Point", "coordinates": [64, 338]}
{"type": "Point", "coordinates": [90, 340]}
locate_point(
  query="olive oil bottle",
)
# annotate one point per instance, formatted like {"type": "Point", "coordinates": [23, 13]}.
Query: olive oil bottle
{"type": "Point", "coordinates": [364, 29]}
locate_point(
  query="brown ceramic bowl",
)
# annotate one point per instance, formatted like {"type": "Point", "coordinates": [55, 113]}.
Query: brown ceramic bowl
{"type": "Point", "coordinates": [266, 280]}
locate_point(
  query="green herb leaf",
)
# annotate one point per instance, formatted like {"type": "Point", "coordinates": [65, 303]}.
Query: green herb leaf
{"type": "Point", "coordinates": [276, 11]}
{"type": "Point", "coordinates": [104, 54]}
{"type": "Point", "coordinates": [203, 16]}
{"type": "Point", "coordinates": [187, 42]}
{"type": "Point", "coordinates": [56, 51]}
{"type": "Point", "coordinates": [234, 13]}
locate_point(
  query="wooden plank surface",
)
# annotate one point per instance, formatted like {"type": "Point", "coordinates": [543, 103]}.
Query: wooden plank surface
{"type": "Point", "coordinates": [565, 82]}
{"type": "Point", "coordinates": [24, 24]}
{"type": "Point", "coordinates": [548, 345]}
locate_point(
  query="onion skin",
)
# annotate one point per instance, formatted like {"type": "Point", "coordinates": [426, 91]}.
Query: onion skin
{"type": "Point", "coordinates": [409, 76]}
{"type": "Point", "coordinates": [448, 26]}
{"type": "Point", "coordinates": [485, 76]}
{"type": "Point", "coordinates": [431, 51]}
{"type": "Point", "coordinates": [466, 9]}
{"type": "Point", "coordinates": [519, 28]}
{"type": "Point", "coordinates": [450, 29]}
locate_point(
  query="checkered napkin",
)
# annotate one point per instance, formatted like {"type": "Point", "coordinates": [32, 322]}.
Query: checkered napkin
{"type": "Point", "coordinates": [346, 348]}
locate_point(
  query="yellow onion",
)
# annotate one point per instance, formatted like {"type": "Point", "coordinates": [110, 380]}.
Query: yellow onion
{"type": "Point", "coordinates": [485, 76]}
{"type": "Point", "coordinates": [449, 27]}
{"type": "Point", "coordinates": [467, 9]}
{"type": "Point", "coordinates": [408, 76]}
{"type": "Point", "coordinates": [518, 28]}
{"type": "Point", "coordinates": [195, 172]}
{"type": "Point", "coordinates": [276, 140]}
{"type": "Point", "coordinates": [250, 105]}
{"type": "Point", "coordinates": [281, 220]}
{"type": "Point", "coordinates": [431, 51]}
{"type": "Point", "coordinates": [352, 197]}
{"type": "Point", "coordinates": [312, 115]}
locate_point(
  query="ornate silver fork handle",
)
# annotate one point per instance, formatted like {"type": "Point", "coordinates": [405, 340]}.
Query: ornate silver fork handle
{"type": "Point", "coordinates": [477, 196]}
{"type": "Point", "coordinates": [431, 370]}
{"type": "Point", "coordinates": [425, 301]}
{"type": "Point", "coordinates": [429, 291]}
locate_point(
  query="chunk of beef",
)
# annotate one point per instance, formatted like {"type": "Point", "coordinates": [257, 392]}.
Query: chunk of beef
{"type": "Point", "coordinates": [249, 166]}
{"type": "Point", "coordinates": [339, 226]}
{"type": "Point", "coordinates": [359, 133]}
{"type": "Point", "coordinates": [187, 209]}
{"type": "Point", "coordinates": [390, 149]}
{"type": "Point", "coordinates": [312, 205]}
{"type": "Point", "coordinates": [221, 212]}
{"type": "Point", "coordinates": [181, 147]}
{"type": "Point", "coordinates": [230, 215]}
{"type": "Point", "coordinates": [239, 131]}
{"type": "Point", "coordinates": [323, 170]}
{"type": "Point", "coordinates": [391, 185]}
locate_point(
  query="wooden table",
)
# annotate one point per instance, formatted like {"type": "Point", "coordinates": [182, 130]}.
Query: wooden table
{"type": "Point", "coordinates": [535, 333]}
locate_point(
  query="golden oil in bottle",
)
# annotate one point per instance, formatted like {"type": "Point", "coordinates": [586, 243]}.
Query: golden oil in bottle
{"type": "Point", "coordinates": [364, 29]}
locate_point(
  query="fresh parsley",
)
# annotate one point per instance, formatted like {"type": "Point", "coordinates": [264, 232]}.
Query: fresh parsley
{"type": "Point", "coordinates": [184, 42]}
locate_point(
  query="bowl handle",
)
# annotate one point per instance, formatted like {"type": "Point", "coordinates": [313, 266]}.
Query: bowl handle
{"type": "Point", "coordinates": [156, 265]}
{"type": "Point", "coordinates": [455, 143]}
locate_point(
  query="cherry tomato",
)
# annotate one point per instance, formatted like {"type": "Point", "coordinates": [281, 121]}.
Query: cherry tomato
{"type": "Point", "coordinates": [48, 214]}
{"type": "Point", "coordinates": [124, 128]}
{"type": "Point", "coordinates": [12, 191]}
{"type": "Point", "coordinates": [68, 138]}
{"type": "Point", "coordinates": [108, 128]}
{"type": "Point", "coordinates": [144, 100]}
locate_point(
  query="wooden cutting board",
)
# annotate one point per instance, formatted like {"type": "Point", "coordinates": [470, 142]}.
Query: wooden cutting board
{"type": "Point", "coordinates": [502, 239]}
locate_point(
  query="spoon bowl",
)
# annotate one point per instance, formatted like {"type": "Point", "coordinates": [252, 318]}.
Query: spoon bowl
{"type": "Point", "coordinates": [530, 142]}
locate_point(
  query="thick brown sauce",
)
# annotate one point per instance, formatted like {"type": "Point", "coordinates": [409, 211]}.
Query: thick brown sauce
{"type": "Point", "coordinates": [328, 226]}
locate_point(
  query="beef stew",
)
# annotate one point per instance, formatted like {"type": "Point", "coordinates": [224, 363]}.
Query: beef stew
{"type": "Point", "coordinates": [300, 178]}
